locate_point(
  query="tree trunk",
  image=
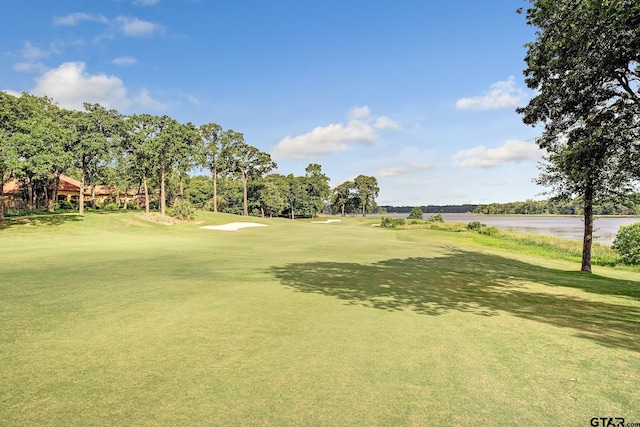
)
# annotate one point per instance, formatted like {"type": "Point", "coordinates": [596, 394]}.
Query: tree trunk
{"type": "Point", "coordinates": [81, 199]}
{"type": "Point", "coordinates": [1, 200]}
{"type": "Point", "coordinates": [146, 193]}
{"type": "Point", "coordinates": [181, 187]}
{"type": "Point", "coordinates": [215, 190]}
{"type": "Point", "coordinates": [364, 210]}
{"type": "Point", "coordinates": [31, 204]}
{"type": "Point", "coordinates": [54, 191]}
{"type": "Point", "coordinates": [588, 230]}
{"type": "Point", "coordinates": [343, 210]}
{"type": "Point", "coordinates": [262, 211]}
{"type": "Point", "coordinates": [162, 195]}
{"type": "Point", "coordinates": [244, 194]}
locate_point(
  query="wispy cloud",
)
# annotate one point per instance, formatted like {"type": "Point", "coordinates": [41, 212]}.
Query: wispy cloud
{"type": "Point", "coordinates": [512, 151]}
{"type": "Point", "coordinates": [503, 94]}
{"type": "Point", "coordinates": [360, 128]}
{"type": "Point", "coordinates": [124, 60]}
{"type": "Point", "coordinates": [71, 85]}
{"type": "Point", "coordinates": [146, 2]}
{"type": "Point", "coordinates": [134, 27]}
{"type": "Point", "coordinates": [404, 170]}
{"type": "Point", "coordinates": [74, 19]}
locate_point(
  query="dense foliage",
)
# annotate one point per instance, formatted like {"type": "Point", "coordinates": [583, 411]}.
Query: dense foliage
{"type": "Point", "coordinates": [627, 243]}
{"type": "Point", "coordinates": [623, 206]}
{"type": "Point", "coordinates": [416, 213]}
{"type": "Point", "coordinates": [153, 157]}
{"type": "Point", "coordinates": [584, 67]}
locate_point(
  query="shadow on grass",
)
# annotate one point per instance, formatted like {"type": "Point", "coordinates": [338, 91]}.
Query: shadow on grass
{"type": "Point", "coordinates": [39, 220]}
{"type": "Point", "coordinates": [480, 284]}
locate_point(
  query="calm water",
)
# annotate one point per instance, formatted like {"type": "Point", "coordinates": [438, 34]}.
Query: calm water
{"type": "Point", "coordinates": [568, 227]}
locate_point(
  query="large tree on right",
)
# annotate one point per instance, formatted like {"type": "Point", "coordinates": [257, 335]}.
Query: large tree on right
{"type": "Point", "coordinates": [584, 67]}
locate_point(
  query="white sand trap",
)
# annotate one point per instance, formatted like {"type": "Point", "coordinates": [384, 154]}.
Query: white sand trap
{"type": "Point", "coordinates": [233, 226]}
{"type": "Point", "coordinates": [329, 221]}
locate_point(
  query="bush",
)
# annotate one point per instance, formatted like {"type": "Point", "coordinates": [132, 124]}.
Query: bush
{"type": "Point", "coordinates": [476, 225]}
{"type": "Point", "coordinates": [208, 205]}
{"type": "Point", "coordinates": [436, 218]}
{"type": "Point", "coordinates": [488, 231]}
{"type": "Point", "coordinates": [64, 205]}
{"type": "Point", "coordinates": [392, 222]}
{"type": "Point", "coordinates": [416, 213]}
{"type": "Point", "coordinates": [627, 243]}
{"type": "Point", "coordinates": [182, 209]}
{"type": "Point", "coordinates": [111, 207]}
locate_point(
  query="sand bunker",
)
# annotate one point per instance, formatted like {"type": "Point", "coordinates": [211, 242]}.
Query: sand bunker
{"type": "Point", "coordinates": [329, 221]}
{"type": "Point", "coordinates": [233, 226]}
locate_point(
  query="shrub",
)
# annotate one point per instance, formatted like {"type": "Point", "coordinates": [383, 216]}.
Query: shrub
{"type": "Point", "coordinates": [63, 204]}
{"type": "Point", "coordinates": [627, 243]}
{"type": "Point", "coordinates": [488, 231]}
{"type": "Point", "coordinates": [436, 218]}
{"type": "Point", "coordinates": [111, 207]}
{"type": "Point", "coordinates": [416, 213]}
{"type": "Point", "coordinates": [208, 205]}
{"type": "Point", "coordinates": [182, 209]}
{"type": "Point", "coordinates": [476, 225]}
{"type": "Point", "coordinates": [392, 222]}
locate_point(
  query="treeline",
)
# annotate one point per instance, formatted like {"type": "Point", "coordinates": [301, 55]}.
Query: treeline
{"type": "Point", "coordinates": [628, 206]}
{"type": "Point", "coordinates": [432, 208]}
{"type": "Point", "coordinates": [155, 156]}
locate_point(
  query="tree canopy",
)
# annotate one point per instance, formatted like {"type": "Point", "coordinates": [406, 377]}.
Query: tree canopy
{"type": "Point", "coordinates": [584, 66]}
{"type": "Point", "coordinates": [152, 155]}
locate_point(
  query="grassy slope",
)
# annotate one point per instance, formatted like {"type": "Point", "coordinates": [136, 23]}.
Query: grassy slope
{"type": "Point", "coordinates": [110, 319]}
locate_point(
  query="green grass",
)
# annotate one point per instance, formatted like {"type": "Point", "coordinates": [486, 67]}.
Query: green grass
{"type": "Point", "coordinates": [113, 319]}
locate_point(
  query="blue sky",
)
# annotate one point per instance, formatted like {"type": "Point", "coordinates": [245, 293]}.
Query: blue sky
{"type": "Point", "coordinates": [419, 93]}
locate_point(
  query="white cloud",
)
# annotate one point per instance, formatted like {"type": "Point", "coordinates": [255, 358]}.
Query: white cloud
{"type": "Point", "coordinates": [134, 27]}
{"type": "Point", "coordinates": [125, 60]}
{"type": "Point", "coordinates": [78, 17]}
{"type": "Point", "coordinates": [384, 122]}
{"type": "Point", "coordinates": [146, 2]}
{"type": "Point", "coordinates": [325, 140]}
{"type": "Point", "coordinates": [70, 86]}
{"type": "Point", "coordinates": [502, 94]}
{"type": "Point", "coordinates": [511, 151]}
{"type": "Point", "coordinates": [393, 171]}
{"type": "Point", "coordinates": [194, 100]}
{"type": "Point", "coordinates": [359, 113]}
{"type": "Point", "coordinates": [32, 53]}
{"type": "Point", "coordinates": [25, 67]}
{"type": "Point", "coordinates": [359, 129]}
{"type": "Point", "coordinates": [404, 170]}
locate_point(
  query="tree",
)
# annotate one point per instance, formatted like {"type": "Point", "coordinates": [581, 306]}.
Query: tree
{"type": "Point", "coordinates": [296, 195]}
{"type": "Point", "coordinates": [141, 132]}
{"type": "Point", "coordinates": [317, 187]}
{"type": "Point", "coordinates": [248, 162]}
{"type": "Point", "coordinates": [39, 140]}
{"type": "Point", "coordinates": [344, 197]}
{"type": "Point", "coordinates": [210, 154]}
{"type": "Point", "coordinates": [94, 131]}
{"type": "Point", "coordinates": [173, 144]}
{"type": "Point", "coordinates": [416, 213]}
{"type": "Point", "coordinates": [8, 153]}
{"type": "Point", "coordinates": [273, 196]}
{"type": "Point", "coordinates": [367, 190]}
{"type": "Point", "coordinates": [584, 67]}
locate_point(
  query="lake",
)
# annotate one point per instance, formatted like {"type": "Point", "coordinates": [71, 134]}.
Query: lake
{"type": "Point", "coordinates": [568, 227]}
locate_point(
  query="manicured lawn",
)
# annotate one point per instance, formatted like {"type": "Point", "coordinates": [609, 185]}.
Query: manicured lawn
{"type": "Point", "coordinates": [114, 320]}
